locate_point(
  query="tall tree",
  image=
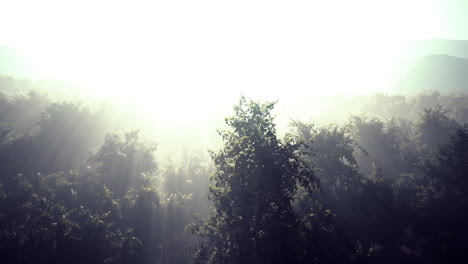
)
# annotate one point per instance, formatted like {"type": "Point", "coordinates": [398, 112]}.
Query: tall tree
{"type": "Point", "coordinates": [255, 180]}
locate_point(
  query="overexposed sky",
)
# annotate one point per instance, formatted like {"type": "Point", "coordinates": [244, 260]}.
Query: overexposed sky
{"type": "Point", "coordinates": [222, 48]}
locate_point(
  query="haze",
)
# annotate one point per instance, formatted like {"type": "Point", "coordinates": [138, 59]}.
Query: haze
{"type": "Point", "coordinates": [211, 49]}
{"type": "Point", "coordinates": [233, 131]}
{"type": "Point", "coordinates": [184, 63]}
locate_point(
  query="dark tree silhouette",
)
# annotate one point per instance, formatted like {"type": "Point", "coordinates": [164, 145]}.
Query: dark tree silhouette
{"type": "Point", "coordinates": [254, 183]}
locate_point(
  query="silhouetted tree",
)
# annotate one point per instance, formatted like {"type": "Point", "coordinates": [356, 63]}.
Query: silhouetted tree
{"type": "Point", "coordinates": [254, 183]}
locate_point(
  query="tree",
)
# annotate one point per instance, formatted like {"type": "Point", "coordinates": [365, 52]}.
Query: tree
{"type": "Point", "coordinates": [256, 177]}
{"type": "Point", "coordinates": [333, 156]}
{"type": "Point", "coordinates": [433, 129]}
{"type": "Point", "coordinates": [381, 144]}
{"type": "Point", "coordinates": [439, 201]}
{"type": "Point", "coordinates": [126, 162]}
{"type": "Point", "coordinates": [61, 141]}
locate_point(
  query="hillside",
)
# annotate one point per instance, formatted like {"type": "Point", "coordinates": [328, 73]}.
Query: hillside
{"type": "Point", "coordinates": [444, 73]}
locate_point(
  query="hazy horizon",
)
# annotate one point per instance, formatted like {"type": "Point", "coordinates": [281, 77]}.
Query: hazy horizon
{"type": "Point", "coordinates": [266, 50]}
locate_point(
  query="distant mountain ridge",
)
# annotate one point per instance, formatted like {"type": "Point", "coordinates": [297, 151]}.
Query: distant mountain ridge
{"type": "Point", "coordinates": [439, 72]}
{"type": "Point", "coordinates": [438, 64]}
{"type": "Point", "coordinates": [455, 48]}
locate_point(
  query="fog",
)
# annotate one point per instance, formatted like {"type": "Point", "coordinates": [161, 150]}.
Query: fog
{"type": "Point", "coordinates": [243, 132]}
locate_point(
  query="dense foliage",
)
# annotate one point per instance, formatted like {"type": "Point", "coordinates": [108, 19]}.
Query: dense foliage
{"type": "Point", "coordinates": [373, 190]}
{"type": "Point", "coordinates": [255, 180]}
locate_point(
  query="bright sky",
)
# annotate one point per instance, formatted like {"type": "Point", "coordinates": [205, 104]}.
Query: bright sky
{"type": "Point", "coordinates": [196, 50]}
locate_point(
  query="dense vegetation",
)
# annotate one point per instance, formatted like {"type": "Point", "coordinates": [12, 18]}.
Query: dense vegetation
{"type": "Point", "coordinates": [376, 189]}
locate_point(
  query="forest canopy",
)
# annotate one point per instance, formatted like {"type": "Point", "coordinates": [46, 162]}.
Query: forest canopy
{"type": "Point", "coordinates": [79, 186]}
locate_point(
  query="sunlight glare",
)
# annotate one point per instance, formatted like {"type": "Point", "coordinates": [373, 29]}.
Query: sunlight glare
{"type": "Point", "coordinates": [186, 55]}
